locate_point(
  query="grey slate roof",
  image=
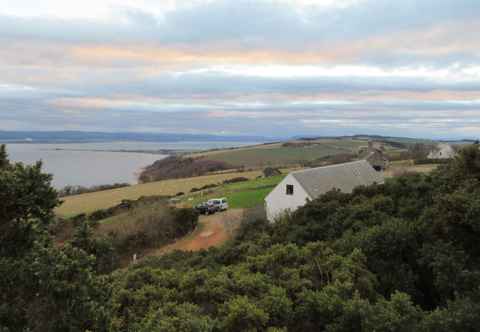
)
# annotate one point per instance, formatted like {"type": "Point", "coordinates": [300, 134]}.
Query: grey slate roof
{"type": "Point", "coordinates": [345, 177]}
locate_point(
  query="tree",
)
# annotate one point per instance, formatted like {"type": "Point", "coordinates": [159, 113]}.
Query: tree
{"type": "Point", "coordinates": [27, 201]}
{"type": "Point", "coordinates": [271, 171]}
{"type": "Point", "coordinates": [4, 162]}
{"type": "Point", "coordinates": [243, 315]}
{"type": "Point", "coordinates": [185, 317]}
{"type": "Point", "coordinates": [42, 287]}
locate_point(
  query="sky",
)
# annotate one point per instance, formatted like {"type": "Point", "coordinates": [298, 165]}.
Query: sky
{"type": "Point", "coordinates": [266, 67]}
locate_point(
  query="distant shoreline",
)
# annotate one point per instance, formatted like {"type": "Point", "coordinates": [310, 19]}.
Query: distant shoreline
{"type": "Point", "coordinates": [164, 152]}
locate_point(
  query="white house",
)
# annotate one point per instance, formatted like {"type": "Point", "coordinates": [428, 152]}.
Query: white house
{"type": "Point", "coordinates": [442, 151]}
{"type": "Point", "coordinates": [300, 186]}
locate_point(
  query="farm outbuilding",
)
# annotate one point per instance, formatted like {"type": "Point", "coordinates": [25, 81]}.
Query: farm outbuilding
{"type": "Point", "coordinates": [442, 151]}
{"type": "Point", "coordinates": [374, 154]}
{"type": "Point", "coordinates": [378, 160]}
{"type": "Point", "coordinates": [301, 186]}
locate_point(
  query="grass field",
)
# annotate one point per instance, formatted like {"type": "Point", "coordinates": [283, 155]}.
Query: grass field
{"type": "Point", "coordinates": [87, 203]}
{"type": "Point", "coordinates": [276, 154]}
{"type": "Point", "coordinates": [240, 195]}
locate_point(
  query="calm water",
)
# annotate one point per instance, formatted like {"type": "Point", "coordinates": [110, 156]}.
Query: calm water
{"type": "Point", "coordinates": [77, 164]}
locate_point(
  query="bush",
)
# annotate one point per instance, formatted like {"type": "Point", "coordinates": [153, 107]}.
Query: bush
{"type": "Point", "coordinates": [271, 171]}
{"type": "Point", "coordinates": [207, 186]}
{"type": "Point", "coordinates": [235, 180]}
{"type": "Point", "coordinates": [148, 226]}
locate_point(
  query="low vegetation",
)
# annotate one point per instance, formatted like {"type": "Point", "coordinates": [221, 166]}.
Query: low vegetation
{"type": "Point", "coordinates": [403, 256]}
{"type": "Point", "coordinates": [147, 226]}
{"type": "Point", "coordinates": [130, 228]}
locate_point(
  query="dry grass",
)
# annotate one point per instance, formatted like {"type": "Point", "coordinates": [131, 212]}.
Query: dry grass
{"type": "Point", "coordinates": [87, 203]}
{"type": "Point", "coordinates": [398, 168]}
{"type": "Point", "coordinates": [131, 222]}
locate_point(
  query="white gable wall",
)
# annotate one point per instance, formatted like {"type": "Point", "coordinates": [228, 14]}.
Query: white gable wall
{"type": "Point", "coordinates": [278, 202]}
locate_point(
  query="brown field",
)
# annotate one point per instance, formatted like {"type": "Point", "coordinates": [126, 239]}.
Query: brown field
{"type": "Point", "coordinates": [87, 203]}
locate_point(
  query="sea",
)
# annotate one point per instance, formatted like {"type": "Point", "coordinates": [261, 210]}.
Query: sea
{"type": "Point", "coordinates": [91, 164]}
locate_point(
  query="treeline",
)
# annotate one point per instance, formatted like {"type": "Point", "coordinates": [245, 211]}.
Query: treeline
{"type": "Point", "coordinates": [175, 167]}
{"type": "Point", "coordinates": [77, 190]}
{"type": "Point", "coordinates": [403, 256]}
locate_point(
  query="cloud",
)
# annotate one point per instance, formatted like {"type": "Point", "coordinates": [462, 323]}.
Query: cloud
{"type": "Point", "coordinates": [326, 67]}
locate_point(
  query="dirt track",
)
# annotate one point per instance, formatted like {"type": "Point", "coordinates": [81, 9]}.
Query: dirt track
{"type": "Point", "coordinates": [211, 231]}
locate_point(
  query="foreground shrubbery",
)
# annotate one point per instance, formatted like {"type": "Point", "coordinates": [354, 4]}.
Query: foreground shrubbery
{"type": "Point", "coordinates": [403, 256]}
{"type": "Point", "coordinates": [143, 226]}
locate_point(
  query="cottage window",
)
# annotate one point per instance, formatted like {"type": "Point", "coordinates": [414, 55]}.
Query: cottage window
{"type": "Point", "coordinates": [289, 189]}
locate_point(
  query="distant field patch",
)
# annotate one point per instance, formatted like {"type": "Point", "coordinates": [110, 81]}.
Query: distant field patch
{"type": "Point", "coordinates": [87, 203]}
{"type": "Point", "coordinates": [285, 155]}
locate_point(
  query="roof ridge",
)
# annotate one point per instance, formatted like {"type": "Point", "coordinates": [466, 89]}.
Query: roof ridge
{"type": "Point", "coordinates": [329, 166]}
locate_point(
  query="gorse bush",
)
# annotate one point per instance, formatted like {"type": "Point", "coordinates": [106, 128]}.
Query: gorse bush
{"type": "Point", "coordinates": [147, 226]}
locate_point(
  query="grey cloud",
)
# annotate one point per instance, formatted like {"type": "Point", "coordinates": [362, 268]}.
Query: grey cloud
{"type": "Point", "coordinates": [261, 25]}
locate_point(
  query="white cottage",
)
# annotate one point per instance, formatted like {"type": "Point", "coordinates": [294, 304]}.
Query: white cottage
{"type": "Point", "coordinates": [300, 186]}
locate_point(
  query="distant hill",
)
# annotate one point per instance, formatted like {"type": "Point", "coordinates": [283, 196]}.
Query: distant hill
{"type": "Point", "coordinates": [380, 138]}
{"type": "Point", "coordinates": [82, 136]}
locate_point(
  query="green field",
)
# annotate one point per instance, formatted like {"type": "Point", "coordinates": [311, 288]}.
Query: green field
{"type": "Point", "coordinates": [276, 154]}
{"type": "Point", "coordinates": [88, 203]}
{"type": "Point", "coordinates": [242, 195]}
